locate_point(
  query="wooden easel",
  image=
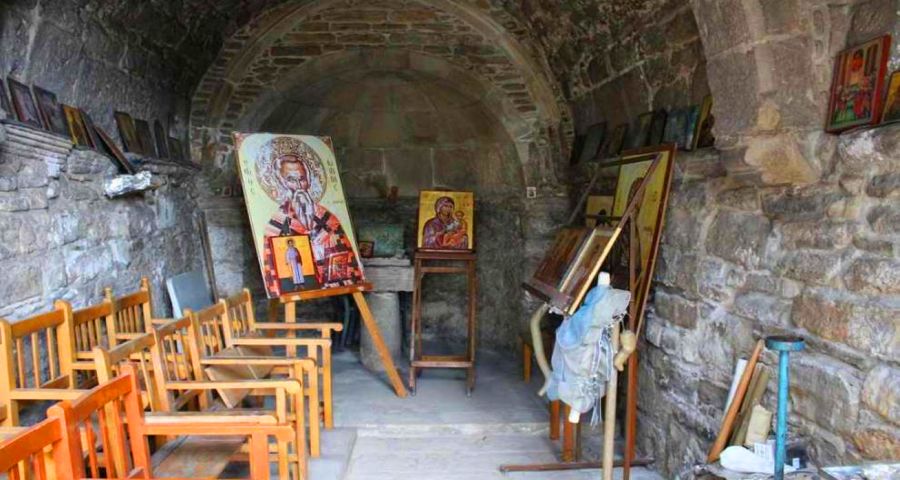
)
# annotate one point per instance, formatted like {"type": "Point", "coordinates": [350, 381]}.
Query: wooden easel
{"type": "Point", "coordinates": [290, 316]}
{"type": "Point", "coordinates": [417, 358]}
{"type": "Point", "coordinates": [639, 285]}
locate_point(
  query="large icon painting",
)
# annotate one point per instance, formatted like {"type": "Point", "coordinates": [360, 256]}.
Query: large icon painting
{"type": "Point", "coordinates": [298, 214]}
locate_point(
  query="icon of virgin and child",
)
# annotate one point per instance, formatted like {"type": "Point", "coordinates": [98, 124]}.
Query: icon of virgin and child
{"type": "Point", "coordinates": [448, 229]}
{"type": "Point", "coordinates": [292, 174]}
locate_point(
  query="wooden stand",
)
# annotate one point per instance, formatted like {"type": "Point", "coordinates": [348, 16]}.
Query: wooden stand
{"type": "Point", "coordinates": [417, 357]}
{"type": "Point", "coordinates": [290, 316]}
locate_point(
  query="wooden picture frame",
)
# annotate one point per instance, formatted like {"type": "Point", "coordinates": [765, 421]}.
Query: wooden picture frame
{"type": "Point", "coordinates": [145, 137]}
{"type": "Point", "coordinates": [51, 111]}
{"type": "Point", "coordinates": [366, 248]}
{"type": "Point", "coordinates": [77, 131]}
{"type": "Point", "coordinates": [24, 105]}
{"type": "Point", "coordinates": [91, 130]}
{"type": "Point", "coordinates": [676, 125]}
{"type": "Point", "coordinates": [857, 85]}
{"type": "Point", "coordinates": [615, 141]}
{"type": "Point", "coordinates": [4, 99]}
{"type": "Point", "coordinates": [598, 205]}
{"type": "Point", "coordinates": [162, 147]}
{"type": "Point", "coordinates": [703, 133]}
{"type": "Point", "coordinates": [891, 111]}
{"type": "Point", "coordinates": [641, 131]}
{"type": "Point", "coordinates": [128, 133]}
{"type": "Point", "coordinates": [109, 147]}
{"type": "Point", "coordinates": [593, 140]}
{"type": "Point", "coordinates": [657, 128]}
{"type": "Point", "coordinates": [446, 221]}
{"type": "Point", "coordinates": [307, 276]}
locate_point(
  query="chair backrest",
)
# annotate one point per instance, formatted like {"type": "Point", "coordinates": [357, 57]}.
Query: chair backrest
{"type": "Point", "coordinates": [109, 419]}
{"type": "Point", "coordinates": [177, 359]}
{"type": "Point", "coordinates": [35, 353]}
{"type": "Point", "coordinates": [137, 352]}
{"type": "Point", "coordinates": [91, 327]}
{"type": "Point", "coordinates": [26, 452]}
{"type": "Point", "coordinates": [133, 315]}
{"type": "Point", "coordinates": [240, 313]}
{"type": "Point", "coordinates": [213, 329]}
{"type": "Point", "coordinates": [188, 290]}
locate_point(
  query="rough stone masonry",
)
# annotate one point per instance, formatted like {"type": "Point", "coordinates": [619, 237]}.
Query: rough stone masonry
{"type": "Point", "coordinates": [779, 228]}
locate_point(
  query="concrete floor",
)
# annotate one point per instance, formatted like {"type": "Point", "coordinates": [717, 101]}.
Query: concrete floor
{"type": "Point", "coordinates": [440, 434]}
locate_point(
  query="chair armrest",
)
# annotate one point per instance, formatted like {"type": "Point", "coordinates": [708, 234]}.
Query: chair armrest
{"type": "Point", "coordinates": [277, 341]}
{"type": "Point", "coordinates": [242, 428]}
{"type": "Point", "coordinates": [237, 360]}
{"type": "Point", "coordinates": [56, 394]}
{"type": "Point", "coordinates": [337, 327]}
{"type": "Point", "coordinates": [217, 417]}
{"type": "Point", "coordinates": [290, 385]}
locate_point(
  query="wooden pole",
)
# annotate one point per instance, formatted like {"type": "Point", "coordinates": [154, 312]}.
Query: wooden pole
{"type": "Point", "coordinates": [731, 414]}
{"type": "Point", "coordinates": [609, 423]}
{"type": "Point", "coordinates": [378, 341]}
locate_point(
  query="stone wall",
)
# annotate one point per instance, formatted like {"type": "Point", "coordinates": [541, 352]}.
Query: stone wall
{"type": "Point", "coordinates": [738, 263]}
{"type": "Point", "coordinates": [139, 57]}
{"type": "Point", "coordinates": [63, 239]}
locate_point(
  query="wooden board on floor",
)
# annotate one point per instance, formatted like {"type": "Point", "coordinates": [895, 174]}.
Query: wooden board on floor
{"type": "Point", "coordinates": [195, 457]}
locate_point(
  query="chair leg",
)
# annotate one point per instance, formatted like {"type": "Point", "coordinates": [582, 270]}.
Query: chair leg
{"type": "Point", "coordinates": [526, 362]}
{"type": "Point", "coordinates": [554, 420]}
{"type": "Point", "coordinates": [568, 448]}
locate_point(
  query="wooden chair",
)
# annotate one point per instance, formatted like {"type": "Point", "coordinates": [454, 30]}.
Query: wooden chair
{"type": "Point", "coordinates": [180, 377]}
{"type": "Point", "coordinates": [92, 327]}
{"type": "Point", "coordinates": [36, 452]}
{"type": "Point", "coordinates": [220, 349]}
{"type": "Point", "coordinates": [29, 373]}
{"type": "Point", "coordinates": [132, 313]}
{"type": "Point", "coordinates": [139, 353]}
{"type": "Point", "coordinates": [245, 330]}
{"type": "Point", "coordinates": [113, 411]}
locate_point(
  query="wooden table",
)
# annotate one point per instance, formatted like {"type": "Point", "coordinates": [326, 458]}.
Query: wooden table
{"type": "Point", "coordinates": [427, 262]}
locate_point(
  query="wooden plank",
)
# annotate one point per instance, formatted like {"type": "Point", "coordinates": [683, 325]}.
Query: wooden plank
{"type": "Point", "coordinates": [731, 414]}
{"type": "Point", "coordinates": [329, 292]}
{"type": "Point", "coordinates": [555, 467]}
{"type": "Point", "coordinates": [378, 341]}
{"type": "Point", "coordinates": [195, 457]}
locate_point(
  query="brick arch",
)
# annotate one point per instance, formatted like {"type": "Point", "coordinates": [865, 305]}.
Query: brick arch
{"type": "Point", "coordinates": [283, 38]}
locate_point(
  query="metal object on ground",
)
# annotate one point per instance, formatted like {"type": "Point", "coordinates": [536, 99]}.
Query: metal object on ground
{"type": "Point", "coordinates": [784, 346]}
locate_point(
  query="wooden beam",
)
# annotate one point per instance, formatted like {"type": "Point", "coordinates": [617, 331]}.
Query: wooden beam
{"type": "Point", "coordinates": [378, 341]}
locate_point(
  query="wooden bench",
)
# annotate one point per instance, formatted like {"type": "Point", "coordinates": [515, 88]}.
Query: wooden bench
{"type": "Point", "coordinates": [245, 330]}
{"type": "Point", "coordinates": [29, 373]}
{"type": "Point", "coordinates": [183, 385]}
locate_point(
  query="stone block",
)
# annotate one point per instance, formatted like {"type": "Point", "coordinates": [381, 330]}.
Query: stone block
{"type": "Point", "coordinates": [735, 109]}
{"type": "Point", "coordinates": [815, 267]}
{"type": "Point", "coordinates": [884, 186]}
{"type": "Point", "coordinates": [876, 440]}
{"type": "Point", "coordinates": [807, 204]}
{"type": "Point", "coordinates": [746, 199]}
{"type": "Point", "coordinates": [21, 278]}
{"type": "Point", "coordinates": [817, 235]}
{"type": "Point", "coordinates": [881, 392]}
{"type": "Point", "coordinates": [722, 23]}
{"type": "Point", "coordinates": [884, 220]}
{"type": "Point", "coordinates": [874, 329]}
{"type": "Point", "coordinates": [738, 237]}
{"type": "Point", "coordinates": [874, 276]}
{"type": "Point", "coordinates": [676, 309]}
{"type": "Point", "coordinates": [812, 374]}
{"type": "Point", "coordinates": [458, 168]}
{"type": "Point", "coordinates": [780, 160]}
{"type": "Point", "coordinates": [768, 310]}
{"type": "Point", "coordinates": [824, 313]}
{"type": "Point", "coordinates": [781, 16]}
